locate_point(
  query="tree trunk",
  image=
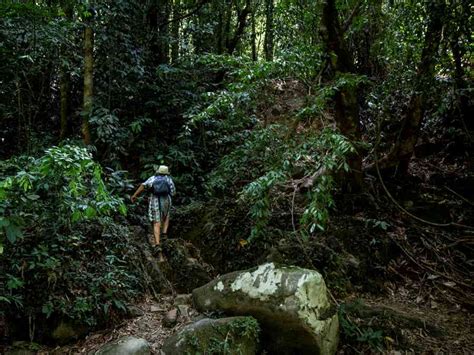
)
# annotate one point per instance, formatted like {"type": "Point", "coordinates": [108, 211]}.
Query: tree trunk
{"type": "Point", "coordinates": [253, 38]}
{"type": "Point", "coordinates": [157, 20]}
{"type": "Point", "coordinates": [64, 79]}
{"type": "Point", "coordinates": [239, 31]}
{"type": "Point", "coordinates": [175, 30]}
{"type": "Point", "coordinates": [64, 92]}
{"type": "Point", "coordinates": [163, 34]}
{"type": "Point", "coordinates": [346, 106]}
{"type": "Point", "coordinates": [411, 125]}
{"type": "Point", "coordinates": [88, 82]}
{"type": "Point", "coordinates": [219, 46]}
{"type": "Point", "coordinates": [225, 29]}
{"type": "Point", "coordinates": [268, 42]}
{"type": "Point", "coordinates": [460, 85]}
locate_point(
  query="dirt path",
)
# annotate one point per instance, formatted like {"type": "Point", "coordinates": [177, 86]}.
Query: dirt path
{"type": "Point", "coordinates": [148, 325]}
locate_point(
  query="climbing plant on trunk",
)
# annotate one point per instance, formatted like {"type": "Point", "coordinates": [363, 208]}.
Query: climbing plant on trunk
{"type": "Point", "coordinates": [340, 63]}
{"type": "Point", "coordinates": [408, 136]}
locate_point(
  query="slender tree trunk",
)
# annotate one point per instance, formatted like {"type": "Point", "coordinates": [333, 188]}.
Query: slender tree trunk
{"type": "Point", "coordinates": [460, 84]}
{"type": "Point", "coordinates": [163, 35]}
{"type": "Point", "coordinates": [253, 36]}
{"type": "Point", "coordinates": [64, 92]}
{"type": "Point", "coordinates": [225, 33]}
{"type": "Point", "coordinates": [64, 78]}
{"type": "Point", "coordinates": [239, 31]}
{"type": "Point", "coordinates": [412, 122]}
{"type": "Point", "coordinates": [157, 19]}
{"type": "Point", "coordinates": [346, 106]}
{"type": "Point", "coordinates": [175, 30]}
{"type": "Point", "coordinates": [268, 43]}
{"type": "Point", "coordinates": [219, 46]}
{"type": "Point", "coordinates": [88, 82]}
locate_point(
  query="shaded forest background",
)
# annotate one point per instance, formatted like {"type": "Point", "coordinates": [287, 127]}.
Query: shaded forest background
{"type": "Point", "coordinates": [334, 135]}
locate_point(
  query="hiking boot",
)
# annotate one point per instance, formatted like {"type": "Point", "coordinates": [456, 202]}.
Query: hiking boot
{"type": "Point", "coordinates": [164, 236]}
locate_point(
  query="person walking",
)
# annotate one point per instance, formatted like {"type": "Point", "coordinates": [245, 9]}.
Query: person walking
{"type": "Point", "coordinates": [162, 188]}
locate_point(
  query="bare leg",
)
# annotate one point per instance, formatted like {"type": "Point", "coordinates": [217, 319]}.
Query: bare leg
{"type": "Point", "coordinates": [165, 224]}
{"type": "Point", "coordinates": [156, 232]}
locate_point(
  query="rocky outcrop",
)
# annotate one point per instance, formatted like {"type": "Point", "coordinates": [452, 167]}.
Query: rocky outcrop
{"type": "Point", "coordinates": [126, 346]}
{"type": "Point", "coordinates": [184, 268]}
{"type": "Point", "coordinates": [234, 335]}
{"type": "Point", "coordinates": [290, 303]}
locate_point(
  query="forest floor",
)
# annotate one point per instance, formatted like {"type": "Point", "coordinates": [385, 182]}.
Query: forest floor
{"type": "Point", "coordinates": [434, 330]}
{"type": "Point", "coordinates": [147, 325]}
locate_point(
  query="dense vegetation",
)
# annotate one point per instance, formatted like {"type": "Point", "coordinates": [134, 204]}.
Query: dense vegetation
{"type": "Point", "coordinates": [268, 113]}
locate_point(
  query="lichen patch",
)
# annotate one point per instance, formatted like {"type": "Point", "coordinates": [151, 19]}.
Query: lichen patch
{"type": "Point", "coordinates": [261, 283]}
{"type": "Point", "coordinates": [219, 286]}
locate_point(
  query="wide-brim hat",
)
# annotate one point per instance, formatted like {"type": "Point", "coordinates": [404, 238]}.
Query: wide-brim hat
{"type": "Point", "coordinates": [163, 170]}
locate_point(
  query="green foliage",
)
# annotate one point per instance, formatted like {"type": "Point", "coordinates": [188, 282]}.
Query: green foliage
{"type": "Point", "coordinates": [65, 181]}
{"type": "Point", "coordinates": [365, 335]}
{"type": "Point", "coordinates": [66, 255]}
{"type": "Point", "coordinates": [271, 161]}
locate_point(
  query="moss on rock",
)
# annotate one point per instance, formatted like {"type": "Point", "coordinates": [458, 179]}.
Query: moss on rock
{"type": "Point", "coordinates": [234, 335]}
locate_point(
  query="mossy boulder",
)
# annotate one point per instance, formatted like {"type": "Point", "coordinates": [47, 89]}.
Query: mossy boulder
{"type": "Point", "coordinates": [67, 331]}
{"type": "Point", "coordinates": [290, 303]}
{"type": "Point", "coordinates": [126, 346]}
{"type": "Point", "coordinates": [233, 336]}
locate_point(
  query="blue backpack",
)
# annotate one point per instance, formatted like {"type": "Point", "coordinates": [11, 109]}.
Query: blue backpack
{"type": "Point", "coordinates": [160, 186]}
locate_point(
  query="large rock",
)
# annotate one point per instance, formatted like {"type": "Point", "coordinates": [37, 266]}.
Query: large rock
{"type": "Point", "coordinates": [234, 335]}
{"type": "Point", "coordinates": [126, 346]}
{"type": "Point", "coordinates": [290, 303]}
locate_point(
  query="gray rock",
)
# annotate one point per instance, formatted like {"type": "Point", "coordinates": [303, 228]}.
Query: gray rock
{"type": "Point", "coordinates": [184, 298]}
{"type": "Point", "coordinates": [291, 304]}
{"type": "Point", "coordinates": [171, 318]}
{"type": "Point", "coordinates": [126, 346]}
{"type": "Point", "coordinates": [134, 311]}
{"type": "Point", "coordinates": [183, 310]}
{"type": "Point", "coordinates": [156, 309]}
{"type": "Point", "coordinates": [231, 336]}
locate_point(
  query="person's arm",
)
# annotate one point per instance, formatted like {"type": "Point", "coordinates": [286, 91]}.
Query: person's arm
{"type": "Point", "coordinates": [141, 188]}
{"type": "Point", "coordinates": [138, 192]}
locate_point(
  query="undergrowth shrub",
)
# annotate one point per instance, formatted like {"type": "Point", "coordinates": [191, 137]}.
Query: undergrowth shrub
{"type": "Point", "coordinates": [274, 162]}
{"type": "Point", "coordinates": [65, 256]}
{"type": "Point", "coordinates": [261, 165]}
{"type": "Point", "coordinates": [362, 335]}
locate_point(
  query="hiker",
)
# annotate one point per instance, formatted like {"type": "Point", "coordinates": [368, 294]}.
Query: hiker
{"type": "Point", "coordinates": [161, 187]}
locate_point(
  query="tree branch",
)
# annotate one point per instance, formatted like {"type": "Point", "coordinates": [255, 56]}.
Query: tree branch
{"type": "Point", "coordinates": [349, 20]}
